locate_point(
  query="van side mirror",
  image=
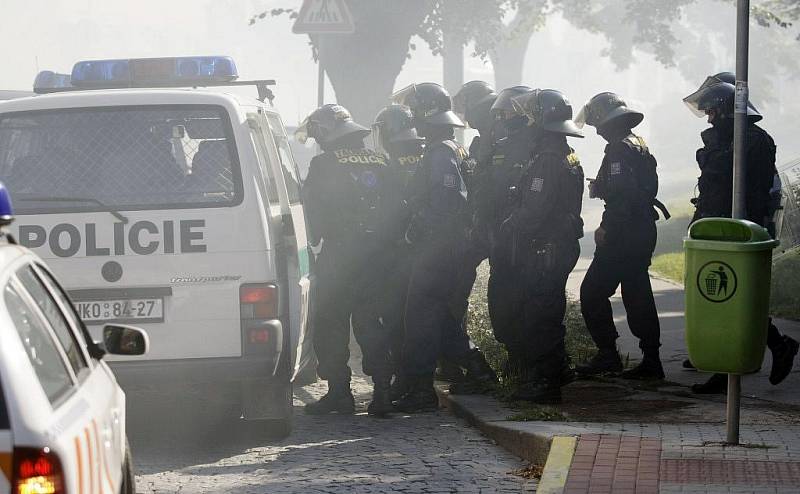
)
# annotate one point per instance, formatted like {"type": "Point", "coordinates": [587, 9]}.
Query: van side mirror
{"type": "Point", "coordinates": [119, 339]}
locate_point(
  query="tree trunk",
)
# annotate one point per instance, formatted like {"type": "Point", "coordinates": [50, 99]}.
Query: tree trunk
{"type": "Point", "coordinates": [363, 66]}
{"type": "Point", "coordinates": [508, 61]}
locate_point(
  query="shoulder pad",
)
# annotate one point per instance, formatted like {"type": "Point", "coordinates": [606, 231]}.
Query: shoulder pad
{"type": "Point", "coordinates": [636, 142]}
{"type": "Point", "coordinates": [573, 160]}
{"type": "Point", "coordinates": [458, 149]}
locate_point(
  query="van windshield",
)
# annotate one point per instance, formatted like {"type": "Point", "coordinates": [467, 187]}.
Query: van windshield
{"type": "Point", "coordinates": [120, 158]}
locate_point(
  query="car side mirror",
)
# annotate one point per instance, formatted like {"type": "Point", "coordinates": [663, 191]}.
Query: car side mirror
{"type": "Point", "coordinates": [119, 339]}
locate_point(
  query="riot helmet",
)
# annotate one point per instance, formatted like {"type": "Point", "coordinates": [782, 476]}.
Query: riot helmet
{"type": "Point", "coordinates": [471, 94]}
{"type": "Point", "coordinates": [479, 116]}
{"type": "Point", "coordinates": [328, 124]}
{"type": "Point", "coordinates": [393, 124]}
{"type": "Point", "coordinates": [503, 108]}
{"type": "Point", "coordinates": [548, 110]}
{"type": "Point", "coordinates": [753, 115]}
{"type": "Point", "coordinates": [430, 104]}
{"type": "Point", "coordinates": [714, 99]}
{"type": "Point", "coordinates": [606, 110]}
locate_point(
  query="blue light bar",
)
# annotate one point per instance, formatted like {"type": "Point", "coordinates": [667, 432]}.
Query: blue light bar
{"type": "Point", "coordinates": [6, 211]}
{"type": "Point", "coordinates": [47, 79]}
{"type": "Point", "coordinates": [143, 72]}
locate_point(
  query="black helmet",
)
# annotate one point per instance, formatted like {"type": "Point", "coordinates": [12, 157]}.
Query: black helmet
{"type": "Point", "coordinates": [723, 77]}
{"type": "Point", "coordinates": [607, 108]}
{"type": "Point", "coordinates": [549, 110]}
{"type": "Point", "coordinates": [479, 116]}
{"type": "Point", "coordinates": [395, 123]}
{"type": "Point", "coordinates": [470, 95]}
{"type": "Point", "coordinates": [712, 95]}
{"type": "Point", "coordinates": [503, 102]}
{"type": "Point", "coordinates": [429, 103]}
{"type": "Point", "coordinates": [328, 123]}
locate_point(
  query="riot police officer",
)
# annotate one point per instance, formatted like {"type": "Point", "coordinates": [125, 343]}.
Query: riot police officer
{"type": "Point", "coordinates": [473, 104]}
{"type": "Point", "coordinates": [394, 134]}
{"type": "Point", "coordinates": [437, 232]}
{"type": "Point", "coordinates": [628, 183]}
{"type": "Point", "coordinates": [510, 157]}
{"type": "Point", "coordinates": [715, 99]}
{"type": "Point", "coordinates": [538, 241]}
{"type": "Point", "coordinates": [347, 196]}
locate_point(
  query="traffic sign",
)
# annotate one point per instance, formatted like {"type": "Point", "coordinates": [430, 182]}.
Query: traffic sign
{"type": "Point", "coordinates": [324, 17]}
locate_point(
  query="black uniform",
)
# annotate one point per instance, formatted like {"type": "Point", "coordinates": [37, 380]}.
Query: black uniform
{"type": "Point", "coordinates": [715, 185]}
{"type": "Point", "coordinates": [628, 183]}
{"type": "Point", "coordinates": [438, 202]}
{"type": "Point", "coordinates": [536, 249]}
{"type": "Point", "coordinates": [348, 196]}
{"type": "Point", "coordinates": [405, 158]}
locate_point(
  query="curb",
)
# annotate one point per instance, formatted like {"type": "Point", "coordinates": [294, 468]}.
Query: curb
{"type": "Point", "coordinates": [554, 476]}
{"type": "Point", "coordinates": [531, 447]}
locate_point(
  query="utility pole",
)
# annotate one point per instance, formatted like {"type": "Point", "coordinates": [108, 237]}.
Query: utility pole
{"type": "Point", "coordinates": [739, 207]}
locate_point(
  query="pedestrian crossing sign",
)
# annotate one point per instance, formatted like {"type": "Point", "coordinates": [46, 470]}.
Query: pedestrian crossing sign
{"type": "Point", "coordinates": [324, 17]}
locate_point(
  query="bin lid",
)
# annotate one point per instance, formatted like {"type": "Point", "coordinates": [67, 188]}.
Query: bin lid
{"type": "Point", "coordinates": [729, 234]}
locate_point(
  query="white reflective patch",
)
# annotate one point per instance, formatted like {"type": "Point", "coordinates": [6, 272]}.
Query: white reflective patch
{"type": "Point", "coordinates": [450, 180]}
{"type": "Point", "coordinates": [536, 184]}
{"type": "Point", "coordinates": [616, 168]}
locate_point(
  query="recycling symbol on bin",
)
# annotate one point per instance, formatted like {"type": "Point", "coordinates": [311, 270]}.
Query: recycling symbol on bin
{"type": "Point", "coordinates": [717, 281]}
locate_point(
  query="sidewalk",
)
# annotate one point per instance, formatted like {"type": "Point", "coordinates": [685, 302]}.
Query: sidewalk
{"type": "Point", "coordinates": [669, 300]}
{"type": "Point", "coordinates": [615, 436]}
{"type": "Point", "coordinates": [648, 457]}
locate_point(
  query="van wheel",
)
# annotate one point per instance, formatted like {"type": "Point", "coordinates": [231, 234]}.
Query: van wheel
{"type": "Point", "coordinates": [128, 478]}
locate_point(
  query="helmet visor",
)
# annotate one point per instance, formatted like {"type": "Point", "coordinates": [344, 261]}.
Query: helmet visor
{"type": "Point", "coordinates": [379, 137]}
{"type": "Point", "coordinates": [693, 100]}
{"type": "Point", "coordinates": [404, 96]}
{"type": "Point", "coordinates": [301, 134]}
{"type": "Point", "coordinates": [582, 117]}
{"type": "Point", "coordinates": [525, 104]}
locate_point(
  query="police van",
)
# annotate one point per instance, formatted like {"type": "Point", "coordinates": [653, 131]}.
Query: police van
{"type": "Point", "coordinates": [175, 207]}
{"type": "Point", "coordinates": [62, 413]}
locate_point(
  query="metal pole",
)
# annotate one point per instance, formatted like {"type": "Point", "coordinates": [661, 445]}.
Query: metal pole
{"type": "Point", "coordinates": [320, 84]}
{"type": "Point", "coordinates": [739, 176]}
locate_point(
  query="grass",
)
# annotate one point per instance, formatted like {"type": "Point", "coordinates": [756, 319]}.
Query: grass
{"type": "Point", "coordinates": [785, 293]}
{"type": "Point", "coordinates": [578, 341]}
{"type": "Point", "coordinates": [669, 266]}
{"type": "Point", "coordinates": [528, 412]}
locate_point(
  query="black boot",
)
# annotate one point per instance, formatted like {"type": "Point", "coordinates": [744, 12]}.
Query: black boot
{"type": "Point", "coordinates": [717, 384]}
{"type": "Point", "coordinates": [381, 404]}
{"type": "Point", "coordinates": [541, 390]}
{"type": "Point", "coordinates": [398, 388]}
{"type": "Point", "coordinates": [421, 396]}
{"type": "Point", "coordinates": [649, 369]}
{"type": "Point", "coordinates": [338, 399]}
{"type": "Point", "coordinates": [783, 359]}
{"type": "Point", "coordinates": [606, 361]}
{"type": "Point", "coordinates": [480, 376]}
{"type": "Point", "coordinates": [449, 372]}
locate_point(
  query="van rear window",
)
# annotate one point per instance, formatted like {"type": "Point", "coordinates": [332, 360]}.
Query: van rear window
{"type": "Point", "coordinates": [119, 158]}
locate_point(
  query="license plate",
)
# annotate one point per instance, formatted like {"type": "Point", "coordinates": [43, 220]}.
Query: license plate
{"type": "Point", "coordinates": [121, 310]}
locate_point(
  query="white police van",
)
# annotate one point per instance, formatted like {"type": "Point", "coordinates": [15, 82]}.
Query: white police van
{"type": "Point", "coordinates": [173, 208]}
{"type": "Point", "coordinates": [62, 414]}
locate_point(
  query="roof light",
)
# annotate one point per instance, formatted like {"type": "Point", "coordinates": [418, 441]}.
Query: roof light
{"type": "Point", "coordinates": [47, 79]}
{"type": "Point", "coordinates": [138, 72]}
{"type": "Point", "coordinates": [6, 211]}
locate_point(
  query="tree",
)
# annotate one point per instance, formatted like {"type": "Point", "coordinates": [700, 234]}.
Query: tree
{"type": "Point", "coordinates": [363, 66]}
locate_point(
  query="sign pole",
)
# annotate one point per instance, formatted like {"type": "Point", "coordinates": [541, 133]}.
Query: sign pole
{"type": "Point", "coordinates": [739, 176]}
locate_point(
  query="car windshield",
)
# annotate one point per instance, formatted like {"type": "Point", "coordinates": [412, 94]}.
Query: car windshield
{"type": "Point", "coordinates": [100, 159]}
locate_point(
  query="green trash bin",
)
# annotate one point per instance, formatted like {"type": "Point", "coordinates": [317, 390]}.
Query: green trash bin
{"type": "Point", "coordinates": [727, 280]}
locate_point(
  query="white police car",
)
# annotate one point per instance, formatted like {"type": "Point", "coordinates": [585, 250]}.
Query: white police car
{"type": "Point", "coordinates": [174, 208]}
{"type": "Point", "coordinates": [62, 414]}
